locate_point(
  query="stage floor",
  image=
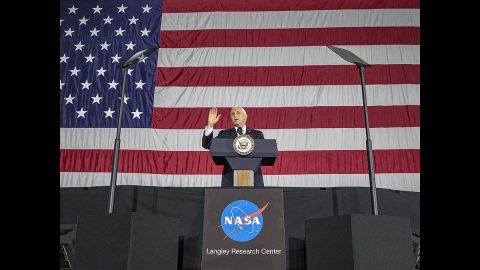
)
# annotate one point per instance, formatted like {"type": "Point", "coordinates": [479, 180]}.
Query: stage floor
{"type": "Point", "coordinates": [187, 205]}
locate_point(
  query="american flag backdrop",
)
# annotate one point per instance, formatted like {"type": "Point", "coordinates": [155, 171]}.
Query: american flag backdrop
{"type": "Point", "coordinates": [268, 56]}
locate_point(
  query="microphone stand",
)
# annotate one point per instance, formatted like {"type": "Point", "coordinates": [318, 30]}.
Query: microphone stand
{"type": "Point", "coordinates": [352, 58]}
{"type": "Point", "coordinates": [371, 169]}
{"type": "Point", "coordinates": [113, 181]}
{"type": "Point", "coordinates": [116, 150]}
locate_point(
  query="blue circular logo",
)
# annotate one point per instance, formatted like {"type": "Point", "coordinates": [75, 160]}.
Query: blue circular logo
{"type": "Point", "coordinates": [242, 220]}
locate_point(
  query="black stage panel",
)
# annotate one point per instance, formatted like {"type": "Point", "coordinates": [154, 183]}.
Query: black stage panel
{"type": "Point", "coordinates": [186, 204]}
{"type": "Point", "coordinates": [127, 241]}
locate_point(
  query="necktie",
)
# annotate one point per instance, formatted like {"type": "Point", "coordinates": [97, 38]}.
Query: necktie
{"type": "Point", "coordinates": [239, 131]}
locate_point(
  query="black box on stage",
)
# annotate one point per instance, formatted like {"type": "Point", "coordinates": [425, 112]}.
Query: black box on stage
{"type": "Point", "coordinates": [359, 242]}
{"type": "Point", "coordinates": [126, 241]}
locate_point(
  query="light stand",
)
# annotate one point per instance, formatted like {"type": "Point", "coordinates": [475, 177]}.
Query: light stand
{"type": "Point", "coordinates": [132, 60]}
{"type": "Point", "coordinates": [352, 58]}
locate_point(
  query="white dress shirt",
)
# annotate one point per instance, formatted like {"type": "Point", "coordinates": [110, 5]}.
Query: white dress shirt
{"type": "Point", "coordinates": [208, 131]}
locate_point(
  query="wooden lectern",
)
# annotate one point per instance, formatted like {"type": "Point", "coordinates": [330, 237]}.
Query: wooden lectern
{"type": "Point", "coordinates": [243, 178]}
{"type": "Point", "coordinates": [264, 153]}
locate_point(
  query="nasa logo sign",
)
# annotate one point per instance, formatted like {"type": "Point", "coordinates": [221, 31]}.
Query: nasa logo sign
{"type": "Point", "coordinates": [242, 220]}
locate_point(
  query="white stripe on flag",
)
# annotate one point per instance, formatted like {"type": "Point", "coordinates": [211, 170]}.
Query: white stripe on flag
{"type": "Point", "coordinates": [287, 139]}
{"type": "Point", "coordinates": [291, 19]}
{"type": "Point", "coordinates": [285, 56]}
{"type": "Point", "coordinates": [286, 96]}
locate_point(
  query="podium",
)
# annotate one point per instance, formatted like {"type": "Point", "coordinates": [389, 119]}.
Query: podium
{"type": "Point", "coordinates": [264, 153]}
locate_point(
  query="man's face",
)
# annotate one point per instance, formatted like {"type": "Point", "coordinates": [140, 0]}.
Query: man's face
{"type": "Point", "coordinates": [238, 117]}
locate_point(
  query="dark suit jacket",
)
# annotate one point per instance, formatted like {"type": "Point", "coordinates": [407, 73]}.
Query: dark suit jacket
{"type": "Point", "coordinates": [227, 176]}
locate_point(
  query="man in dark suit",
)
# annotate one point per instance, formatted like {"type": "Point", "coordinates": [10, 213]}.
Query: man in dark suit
{"type": "Point", "coordinates": [239, 119]}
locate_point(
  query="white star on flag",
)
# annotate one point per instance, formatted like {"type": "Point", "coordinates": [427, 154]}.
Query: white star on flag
{"type": "Point", "coordinates": [108, 20]}
{"type": "Point", "coordinates": [136, 114]}
{"type": "Point", "coordinates": [133, 20]}
{"type": "Point", "coordinates": [89, 58]}
{"type": "Point", "coordinates": [72, 10]}
{"type": "Point", "coordinates": [115, 58]}
{"type": "Point", "coordinates": [101, 72]}
{"type": "Point", "coordinates": [83, 21]}
{"type": "Point", "coordinates": [125, 99]}
{"type": "Point", "coordinates": [109, 113]}
{"type": "Point", "coordinates": [145, 32]}
{"type": "Point", "coordinates": [63, 58]}
{"type": "Point", "coordinates": [61, 84]}
{"type": "Point", "coordinates": [104, 46]}
{"type": "Point", "coordinates": [146, 9]}
{"type": "Point", "coordinates": [96, 9]}
{"type": "Point", "coordinates": [142, 59]}
{"type": "Point", "coordinates": [69, 32]}
{"type": "Point", "coordinates": [119, 31]}
{"type": "Point", "coordinates": [139, 84]}
{"type": "Point", "coordinates": [78, 46]}
{"type": "Point", "coordinates": [69, 99]}
{"type": "Point", "coordinates": [81, 113]}
{"type": "Point", "coordinates": [86, 85]}
{"type": "Point", "coordinates": [96, 99]}
{"type": "Point", "coordinates": [94, 32]}
{"type": "Point", "coordinates": [130, 46]}
{"type": "Point", "coordinates": [74, 71]}
{"type": "Point", "coordinates": [113, 84]}
{"type": "Point", "coordinates": [121, 9]}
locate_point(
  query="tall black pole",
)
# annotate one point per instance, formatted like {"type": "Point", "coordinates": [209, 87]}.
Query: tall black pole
{"type": "Point", "coordinates": [352, 58]}
{"type": "Point", "coordinates": [113, 180]}
{"type": "Point", "coordinates": [371, 168]}
{"type": "Point", "coordinates": [139, 56]}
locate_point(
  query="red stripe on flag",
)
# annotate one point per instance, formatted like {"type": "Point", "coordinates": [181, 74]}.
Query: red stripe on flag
{"type": "Point", "coordinates": [200, 162]}
{"type": "Point", "coordinates": [292, 117]}
{"type": "Point", "coordinates": [176, 6]}
{"type": "Point", "coordinates": [286, 75]}
{"type": "Point", "coordinates": [290, 37]}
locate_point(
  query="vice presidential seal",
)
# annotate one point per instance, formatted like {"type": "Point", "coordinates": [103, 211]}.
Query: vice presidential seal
{"type": "Point", "coordinates": [243, 144]}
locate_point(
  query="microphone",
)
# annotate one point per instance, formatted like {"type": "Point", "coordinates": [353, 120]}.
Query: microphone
{"type": "Point", "coordinates": [349, 56]}
{"type": "Point", "coordinates": [139, 56]}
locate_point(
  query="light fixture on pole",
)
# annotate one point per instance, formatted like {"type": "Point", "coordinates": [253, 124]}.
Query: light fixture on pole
{"type": "Point", "coordinates": [352, 58]}
{"type": "Point", "coordinates": [139, 56]}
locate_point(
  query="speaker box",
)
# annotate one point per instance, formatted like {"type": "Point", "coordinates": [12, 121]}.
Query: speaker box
{"type": "Point", "coordinates": [359, 242]}
{"type": "Point", "coordinates": [126, 241]}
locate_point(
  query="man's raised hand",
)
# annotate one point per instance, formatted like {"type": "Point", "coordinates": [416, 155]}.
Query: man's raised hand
{"type": "Point", "coordinates": [213, 117]}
